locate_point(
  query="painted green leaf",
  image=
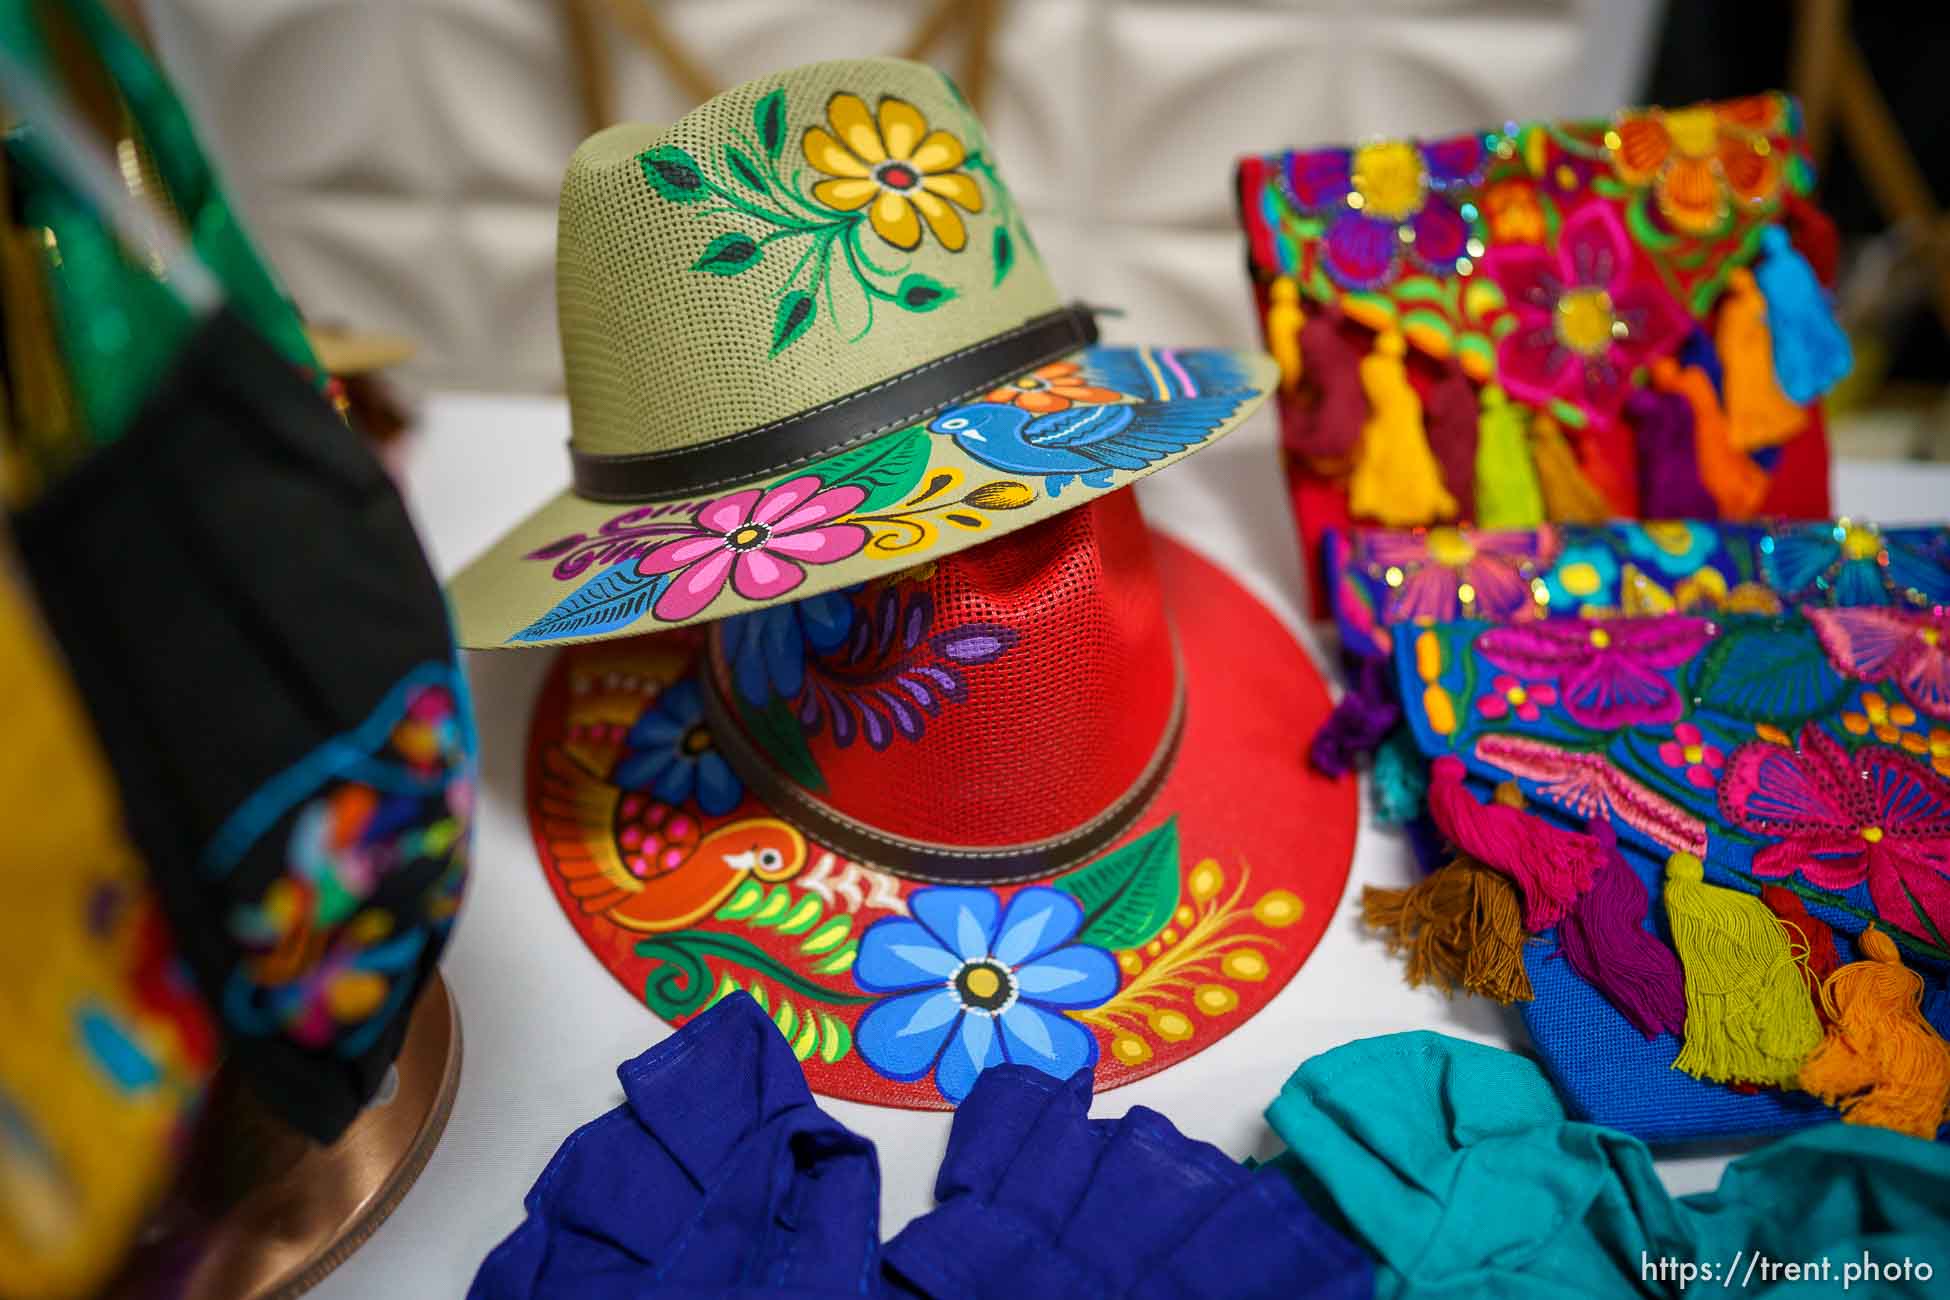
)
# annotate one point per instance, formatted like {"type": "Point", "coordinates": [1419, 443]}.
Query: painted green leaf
{"type": "Point", "coordinates": [774, 908]}
{"type": "Point", "coordinates": [728, 254]}
{"type": "Point", "coordinates": [681, 983]}
{"type": "Point", "coordinates": [804, 915]}
{"type": "Point", "coordinates": [835, 1040]}
{"type": "Point", "coordinates": [744, 169]}
{"type": "Point", "coordinates": [673, 174]}
{"type": "Point", "coordinates": [743, 902]}
{"type": "Point", "coordinates": [769, 120]}
{"type": "Point", "coordinates": [808, 1038]}
{"type": "Point", "coordinates": [828, 936]}
{"type": "Point", "coordinates": [1003, 249]}
{"type": "Point", "coordinates": [922, 293]}
{"type": "Point", "coordinates": [776, 729]}
{"type": "Point", "coordinates": [796, 310]}
{"type": "Point", "coordinates": [887, 468]}
{"type": "Point", "coordinates": [1128, 895]}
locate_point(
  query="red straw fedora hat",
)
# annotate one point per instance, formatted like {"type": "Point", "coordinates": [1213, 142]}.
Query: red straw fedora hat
{"type": "Point", "coordinates": [1041, 801]}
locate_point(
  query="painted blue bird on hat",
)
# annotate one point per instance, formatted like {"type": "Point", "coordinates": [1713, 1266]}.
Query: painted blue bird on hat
{"type": "Point", "coordinates": [1179, 399]}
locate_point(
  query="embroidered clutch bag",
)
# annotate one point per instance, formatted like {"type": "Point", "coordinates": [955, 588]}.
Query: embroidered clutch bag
{"type": "Point", "coordinates": [1551, 321]}
{"type": "Point", "coordinates": [1803, 757]}
{"type": "Point", "coordinates": [1382, 579]}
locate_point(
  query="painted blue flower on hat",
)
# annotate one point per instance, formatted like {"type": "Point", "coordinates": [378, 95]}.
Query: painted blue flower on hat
{"type": "Point", "coordinates": [767, 648]}
{"type": "Point", "coordinates": [670, 753]}
{"type": "Point", "coordinates": [972, 984]}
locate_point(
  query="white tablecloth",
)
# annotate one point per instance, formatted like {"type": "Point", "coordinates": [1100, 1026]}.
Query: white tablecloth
{"type": "Point", "coordinates": [545, 1025]}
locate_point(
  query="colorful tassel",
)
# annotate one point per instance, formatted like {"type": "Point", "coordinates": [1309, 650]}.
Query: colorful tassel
{"type": "Point", "coordinates": [1735, 481]}
{"type": "Point", "coordinates": [1323, 419]}
{"type": "Point", "coordinates": [1759, 414]}
{"type": "Point", "coordinates": [1748, 1014]}
{"type": "Point", "coordinates": [1608, 456]}
{"type": "Point", "coordinates": [1551, 865]}
{"type": "Point", "coordinates": [1669, 481]}
{"type": "Point", "coordinates": [1881, 1062]}
{"type": "Point", "coordinates": [1396, 479]}
{"type": "Point", "coordinates": [1811, 351]}
{"type": "Point", "coordinates": [1283, 321]}
{"type": "Point", "coordinates": [1812, 942]}
{"type": "Point", "coordinates": [1401, 779]}
{"type": "Point", "coordinates": [1569, 496]}
{"type": "Point", "coordinates": [1507, 493]}
{"type": "Point", "coordinates": [1363, 717]}
{"type": "Point", "coordinates": [1606, 942]}
{"type": "Point", "coordinates": [1813, 234]}
{"type": "Point", "coordinates": [1460, 927]}
{"type": "Point", "coordinates": [1452, 419]}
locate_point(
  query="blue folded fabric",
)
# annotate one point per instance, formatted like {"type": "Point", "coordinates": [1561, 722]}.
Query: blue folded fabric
{"type": "Point", "coordinates": [719, 1176]}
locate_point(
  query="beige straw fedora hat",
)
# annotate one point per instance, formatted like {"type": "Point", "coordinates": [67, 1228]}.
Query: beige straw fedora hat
{"type": "Point", "coordinates": [808, 341]}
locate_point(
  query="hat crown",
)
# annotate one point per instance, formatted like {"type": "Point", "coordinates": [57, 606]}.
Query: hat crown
{"type": "Point", "coordinates": [1008, 694]}
{"type": "Point", "coordinates": [792, 241]}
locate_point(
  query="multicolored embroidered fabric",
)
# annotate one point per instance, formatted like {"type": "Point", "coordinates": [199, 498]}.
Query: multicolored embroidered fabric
{"type": "Point", "coordinates": [1648, 290]}
{"type": "Point", "coordinates": [1380, 579]}
{"type": "Point", "coordinates": [1809, 749]}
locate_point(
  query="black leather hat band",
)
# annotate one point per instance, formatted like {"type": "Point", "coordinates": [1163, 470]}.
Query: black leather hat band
{"type": "Point", "coordinates": [896, 403]}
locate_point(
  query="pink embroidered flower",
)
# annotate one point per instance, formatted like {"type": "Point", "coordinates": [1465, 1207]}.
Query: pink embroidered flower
{"type": "Point", "coordinates": [1508, 695]}
{"type": "Point", "coordinates": [759, 541]}
{"type": "Point", "coordinates": [1438, 574]}
{"type": "Point", "coordinates": [1910, 648]}
{"type": "Point", "coordinates": [1587, 316]}
{"type": "Point", "coordinates": [1838, 819]}
{"type": "Point", "coordinates": [1688, 749]}
{"type": "Point", "coordinates": [1610, 674]}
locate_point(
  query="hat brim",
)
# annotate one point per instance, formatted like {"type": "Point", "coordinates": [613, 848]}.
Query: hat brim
{"type": "Point", "coordinates": [581, 570]}
{"type": "Point", "coordinates": [1203, 910]}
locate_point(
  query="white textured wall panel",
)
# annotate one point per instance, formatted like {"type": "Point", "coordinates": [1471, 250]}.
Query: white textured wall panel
{"type": "Point", "coordinates": [399, 158]}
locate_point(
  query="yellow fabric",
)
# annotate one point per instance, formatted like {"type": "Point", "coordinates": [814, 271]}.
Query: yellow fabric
{"type": "Point", "coordinates": [1283, 321]}
{"type": "Point", "coordinates": [1396, 480]}
{"type": "Point", "coordinates": [1748, 1015]}
{"type": "Point", "coordinates": [1759, 414]}
{"type": "Point", "coordinates": [83, 1154]}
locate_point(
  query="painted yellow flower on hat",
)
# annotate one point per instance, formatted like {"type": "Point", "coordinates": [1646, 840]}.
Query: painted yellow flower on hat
{"type": "Point", "coordinates": [907, 172]}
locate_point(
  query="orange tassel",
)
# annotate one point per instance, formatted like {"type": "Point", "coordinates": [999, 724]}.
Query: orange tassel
{"type": "Point", "coordinates": [1737, 484]}
{"type": "Point", "coordinates": [1881, 1061]}
{"type": "Point", "coordinates": [1397, 480]}
{"type": "Point", "coordinates": [1569, 497]}
{"type": "Point", "coordinates": [1461, 927]}
{"type": "Point", "coordinates": [1759, 414]}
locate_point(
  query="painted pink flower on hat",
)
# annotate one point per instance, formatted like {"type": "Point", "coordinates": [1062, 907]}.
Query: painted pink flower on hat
{"type": "Point", "coordinates": [1586, 316]}
{"type": "Point", "coordinates": [1609, 674]}
{"type": "Point", "coordinates": [758, 540]}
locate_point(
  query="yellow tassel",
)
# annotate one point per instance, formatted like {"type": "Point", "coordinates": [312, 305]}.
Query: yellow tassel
{"type": "Point", "coordinates": [1283, 321]}
{"type": "Point", "coordinates": [1397, 480]}
{"type": "Point", "coordinates": [1462, 926]}
{"type": "Point", "coordinates": [1737, 484]}
{"type": "Point", "coordinates": [1759, 414]}
{"type": "Point", "coordinates": [1507, 493]}
{"type": "Point", "coordinates": [1569, 497]}
{"type": "Point", "coordinates": [1748, 1014]}
{"type": "Point", "coordinates": [1882, 1062]}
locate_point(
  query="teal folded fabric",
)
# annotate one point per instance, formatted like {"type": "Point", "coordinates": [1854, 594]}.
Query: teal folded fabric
{"type": "Point", "coordinates": [1458, 1167]}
